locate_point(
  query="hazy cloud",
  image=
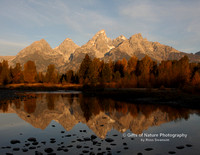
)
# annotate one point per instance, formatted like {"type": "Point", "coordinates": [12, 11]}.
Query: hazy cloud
{"type": "Point", "coordinates": [175, 23]}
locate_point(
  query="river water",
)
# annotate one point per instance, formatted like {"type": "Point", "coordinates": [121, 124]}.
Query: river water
{"type": "Point", "coordinates": [69, 123]}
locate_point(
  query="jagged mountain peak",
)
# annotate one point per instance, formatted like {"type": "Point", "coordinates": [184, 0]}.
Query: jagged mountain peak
{"type": "Point", "coordinates": [98, 45]}
{"type": "Point", "coordinates": [117, 41]}
{"type": "Point", "coordinates": [37, 46]}
{"type": "Point", "coordinates": [101, 35]}
{"type": "Point", "coordinates": [137, 36]}
{"type": "Point", "coordinates": [40, 42]}
{"type": "Point", "coordinates": [66, 48]}
{"type": "Point", "coordinates": [122, 37]}
{"type": "Point", "coordinates": [101, 32]}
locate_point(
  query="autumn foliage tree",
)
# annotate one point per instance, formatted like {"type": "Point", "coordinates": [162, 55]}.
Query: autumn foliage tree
{"type": "Point", "coordinates": [83, 72]}
{"type": "Point", "coordinates": [17, 74]}
{"type": "Point", "coordinates": [95, 68]}
{"type": "Point", "coordinates": [51, 74]}
{"type": "Point", "coordinates": [5, 77]}
{"type": "Point", "coordinates": [30, 72]}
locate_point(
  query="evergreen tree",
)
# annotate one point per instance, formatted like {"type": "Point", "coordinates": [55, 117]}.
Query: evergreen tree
{"type": "Point", "coordinates": [83, 72]}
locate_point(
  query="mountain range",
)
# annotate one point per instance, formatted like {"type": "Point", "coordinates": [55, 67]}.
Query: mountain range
{"type": "Point", "coordinates": [68, 55]}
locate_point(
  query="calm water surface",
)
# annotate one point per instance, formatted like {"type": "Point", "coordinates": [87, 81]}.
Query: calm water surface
{"type": "Point", "coordinates": [69, 123]}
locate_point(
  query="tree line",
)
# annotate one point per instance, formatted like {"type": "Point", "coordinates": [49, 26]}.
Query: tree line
{"type": "Point", "coordinates": [134, 73]}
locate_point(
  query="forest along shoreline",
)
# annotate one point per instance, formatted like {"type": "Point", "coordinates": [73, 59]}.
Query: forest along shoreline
{"type": "Point", "coordinates": [158, 96]}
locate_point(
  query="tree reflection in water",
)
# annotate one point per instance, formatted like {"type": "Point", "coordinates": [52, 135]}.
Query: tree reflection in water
{"type": "Point", "coordinates": [89, 107]}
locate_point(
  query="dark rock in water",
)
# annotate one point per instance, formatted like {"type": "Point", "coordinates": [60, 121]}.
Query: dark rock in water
{"type": "Point", "coordinates": [125, 148]}
{"type": "Point", "coordinates": [38, 153]}
{"type": "Point", "coordinates": [32, 148]}
{"type": "Point", "coordinates": [74, 135]}
{"type": "Point", "coordinates": [25, 150]}
{"type": "Point", "coordinates": [48, 150]}
{"type": "Point", "coordinates": [80, 130]}
{"type": "Point", "coordinates": [101, 125]}
{"type": "Point", "coordinates": [32, 139]}
{"type": "Point", "coordinates": [53, 126]}
{"type": "Point", "coordinates": [8, 147]}
{"type": "Point", "coordinates": [3, 147]}
{"type": "Point", "coordinates": [14, 141]}
{"type": "Point", "coordinates": [51, 153]}
{"type": "Point", "coordinates": [65, 150]}
{"type": "Point", "coordinates": [27, 144]}
{"type": "Point", "coordinates": [87, 139]}
{"type": "Point", "coordinates": [16, 149]}
{"type": "Point", "coordinates": [94, 142]}
{"type": "Point", "coordinates": [91, 148]}
{"type": "Point", "coordinates": [108, 148]}
{"type": "Point", "coordinates": [43, 142]}
{"type": "Point", "coordinates": [84, 130]}
{"type": "Point", "coordinates": [86, 147]}
{"type": "Point", "coordinates": [78, 146]}
{"type": "Point", "coordinates": [68, 135]}
{"type": "Point", "coordinates": [73, 141]}
{"type": "Point", "coordinates": [115, 135]}
{"type": "Point", "coordinates": [52, 139]}
{"type": "Point", "coordinates": [109, 140]}
{"type": "Point", "coordinates": [124, 143]}
{"type": "Point", "coordinates": [93, 137]}
{"type": "Point", "coordinates": [79, 140]}
{"type": "Point", "coordinates": [85, 151]}
{"type": "Point", "coordinates": [62, 131]}
{"type": "Point", "coordinates": [35, 143]}
{"type": "Point", "coordinates": [132, 138]}
{"type": "Point", "coordinates": [149, 149]}
{"type": "Point", "coordinates": [92, 153]}
{"type": "Point", "coordinates": [118, 151]}
{"type": "Point", "coordinates": [188, 145]}
{"type": "Point", "coordinates": [180, 147]}
{"type": "Point", "coordinates": [139, 153]}
{"type": "Point", "coordinates": [172, 152]}
{"type": "Point", "coordinates": [20, 134]}
{"type": "Point", "coordinates": [70, 146]}
{"type": "Point", "coordinates": [109, 153]}
{"type": "Point", "coordinates": [99, 153]}
{"type": "Point", "coordinates": [28, 115]}
{"type": "Point", "coordinates": [38, 146]}
{"type": "Point", "coordinates": [62, 143]}
{"type": "Point", "coordinates": [59, 149]}
{"type": "Point", "coordinates": [113, 144]}
{"type": "Point", "coordinates": [99, 149]}
{"type": "Point", "coordinates": [9, 154]}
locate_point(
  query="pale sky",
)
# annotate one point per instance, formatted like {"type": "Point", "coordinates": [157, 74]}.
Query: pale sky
{"type": "Point", "coordinates": [172, 22]}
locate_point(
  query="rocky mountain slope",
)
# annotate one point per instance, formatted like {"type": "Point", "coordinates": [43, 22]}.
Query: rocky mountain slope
{"type": "Point", "coordinates": [66, 48]}
{"type": "Point", "coordinates": [68, 55]}
{"type": "Point", "coordinates": [8, 58]}
{"type": "Point", "coordinates": [198, 53]}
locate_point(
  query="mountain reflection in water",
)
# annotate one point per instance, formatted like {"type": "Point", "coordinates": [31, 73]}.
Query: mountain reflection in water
{"type": "Point", "coordinates": [99, 114]}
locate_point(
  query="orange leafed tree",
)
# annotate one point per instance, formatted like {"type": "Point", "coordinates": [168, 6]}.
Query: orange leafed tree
{"type": "Point", "coordinates": [30, 72]}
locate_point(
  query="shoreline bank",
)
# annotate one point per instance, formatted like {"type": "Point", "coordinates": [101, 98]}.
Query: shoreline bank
{"type": "Point", "coordinates": [168, 96]}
